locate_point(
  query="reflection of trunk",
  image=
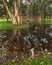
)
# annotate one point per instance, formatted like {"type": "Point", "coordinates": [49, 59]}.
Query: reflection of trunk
{"type": "Point", "coordinates": [16, 41]}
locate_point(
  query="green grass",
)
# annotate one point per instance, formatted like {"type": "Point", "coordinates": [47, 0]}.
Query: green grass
{"type": "Point", "coordinates": [4, 20]}
{"type": "Point", "coordinates": [48, 21]}
{"type": "Point", "coordinates": [38, 61]}
{"type": "Point", "coordinates": [10, 26]}
{"type": "Point", "coordinates": [46, 60]}
{"type": "Point", "coordinates": [4, 24]}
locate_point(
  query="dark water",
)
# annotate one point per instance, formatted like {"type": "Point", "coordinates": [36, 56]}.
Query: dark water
{"type": "Point", "coordinates": [37, 37]}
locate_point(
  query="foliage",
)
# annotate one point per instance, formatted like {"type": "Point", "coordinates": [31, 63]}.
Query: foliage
{"type": "Point", "coordinates": [46, 60]}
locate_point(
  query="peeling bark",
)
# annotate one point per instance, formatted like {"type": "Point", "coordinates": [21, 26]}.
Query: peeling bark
{"type": "Point", "coordinates": [16, 18]}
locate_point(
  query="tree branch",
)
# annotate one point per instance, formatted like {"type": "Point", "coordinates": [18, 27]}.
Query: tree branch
{"type": "Point", "coordinates": [7, 8]}
{"type": "Point", "coordinates": [16, 8]}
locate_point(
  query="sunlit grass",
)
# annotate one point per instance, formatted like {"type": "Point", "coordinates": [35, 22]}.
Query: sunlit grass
{"type": "Point", "coordinates": [4, 24]}
{"type": "Point", "coordinates": [5, 20]}
{"type": "Point", "coordinates": [48, 21]}
{"type": "Point", "coordinates": [10, 26]}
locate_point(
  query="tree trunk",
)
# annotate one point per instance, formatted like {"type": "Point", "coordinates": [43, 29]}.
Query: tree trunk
{"type": "Point", "coordinates": [16, 18]}
{"type": "Point", "coordinates": [17, 12]}
{"type": "Point", "coordinates": [19, 20]}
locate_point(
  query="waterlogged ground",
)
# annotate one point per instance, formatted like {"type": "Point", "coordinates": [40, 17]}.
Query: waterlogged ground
{"type": "Point", "coordinates": [33, 42]}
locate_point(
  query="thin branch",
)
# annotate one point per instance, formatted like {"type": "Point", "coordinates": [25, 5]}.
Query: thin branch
{"type": "Point", "coordinates": [7, 8]}
{"type": "Point", "coordinates": [16, 8]}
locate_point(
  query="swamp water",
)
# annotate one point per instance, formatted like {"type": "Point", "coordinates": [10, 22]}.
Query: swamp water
{"type": "Point", "coordinates": [15, 42]}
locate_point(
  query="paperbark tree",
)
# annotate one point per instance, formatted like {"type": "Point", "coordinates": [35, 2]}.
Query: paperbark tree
{"type": "Point", "coordinates": [14, 12]}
